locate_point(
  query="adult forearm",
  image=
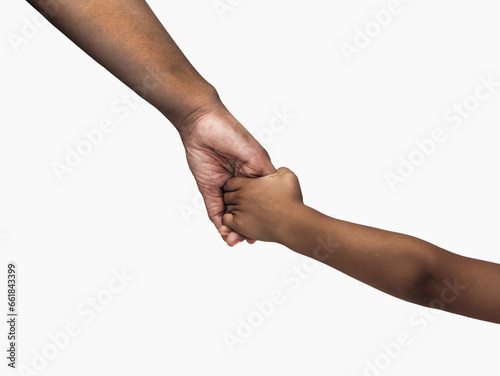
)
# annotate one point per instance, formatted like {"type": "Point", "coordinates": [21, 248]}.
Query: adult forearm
{"type": "Point", "coordinates": [127, 39]}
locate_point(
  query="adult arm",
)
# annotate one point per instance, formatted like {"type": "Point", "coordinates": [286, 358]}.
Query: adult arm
{"type": "Point", "coordinates": [127, 39]}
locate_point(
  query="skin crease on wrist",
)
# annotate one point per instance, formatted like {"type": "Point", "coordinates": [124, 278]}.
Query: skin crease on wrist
{"type": "Point", "coordinates": [271, 209]}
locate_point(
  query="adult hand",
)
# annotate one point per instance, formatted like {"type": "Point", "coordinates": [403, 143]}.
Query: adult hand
{"type": "Point", "coordinates": [218, 148]}
{"type": "Point", "coordinates": [128, 39]}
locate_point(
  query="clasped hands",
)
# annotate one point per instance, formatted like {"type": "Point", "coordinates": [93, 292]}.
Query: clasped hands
{"type": "Point", "coordinates": [246, 198]}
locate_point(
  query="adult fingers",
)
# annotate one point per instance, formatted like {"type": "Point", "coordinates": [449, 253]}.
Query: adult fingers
{"type": "Point", "coordinates": [262, 164]}
{"type": "Point", "coordinates": [216, 209]}
{"type": "Point", "coordinates": [234, 238]}
{"type": "Point", "coordinates": [224, 231]}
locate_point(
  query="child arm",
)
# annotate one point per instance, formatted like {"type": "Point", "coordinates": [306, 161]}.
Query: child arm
{"type": "Point", "coordinates": [271, 209]}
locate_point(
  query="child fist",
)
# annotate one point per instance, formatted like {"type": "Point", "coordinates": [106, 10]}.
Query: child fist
{"type": "Point", "coordinates": [262, 208]}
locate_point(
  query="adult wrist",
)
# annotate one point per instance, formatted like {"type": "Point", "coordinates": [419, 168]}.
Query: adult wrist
{"type": "Point", "coordinates": [205, 102]}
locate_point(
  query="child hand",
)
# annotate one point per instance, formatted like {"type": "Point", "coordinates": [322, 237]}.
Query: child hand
{"type": "Point", "coordinates": [262, 208]}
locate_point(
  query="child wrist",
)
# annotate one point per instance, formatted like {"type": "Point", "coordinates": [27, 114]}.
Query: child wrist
{"type": "Point", "coordinates": [291, 225]}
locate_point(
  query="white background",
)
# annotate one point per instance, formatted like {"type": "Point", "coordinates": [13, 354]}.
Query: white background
{"type": "Point", "coordinates": [121, 208]}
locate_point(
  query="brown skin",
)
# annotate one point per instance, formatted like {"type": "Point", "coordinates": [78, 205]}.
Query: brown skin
{"type": "Point", "coordinates": [271, 209]}
{"type": "Point", "coordinates": [126, 38]}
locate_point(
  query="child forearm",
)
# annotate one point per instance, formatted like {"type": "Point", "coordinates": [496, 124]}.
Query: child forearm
{"type": "Point", "coordinates": [271, 209]}
{"type": "Point", "coordinates": [400, 265]}
{"type": "Point", "coordinates": [390, 262]}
